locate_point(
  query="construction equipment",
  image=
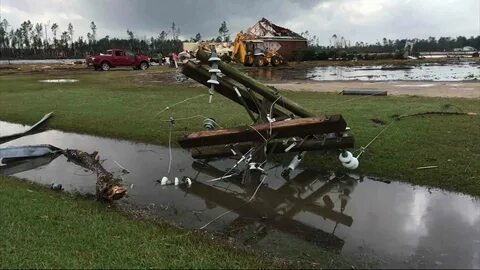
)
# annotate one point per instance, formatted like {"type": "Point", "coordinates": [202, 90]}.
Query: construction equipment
{"type": "Point", "coordinates": [251, 51]}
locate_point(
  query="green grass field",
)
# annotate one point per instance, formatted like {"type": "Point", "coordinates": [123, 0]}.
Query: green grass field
{"type": "Point", "coordinates": [42, 229]}
{"type": "Point", "coordinates": [126, 104]}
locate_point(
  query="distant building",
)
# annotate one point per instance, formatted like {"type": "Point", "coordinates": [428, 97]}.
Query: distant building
{"type": "Point", "coordinates": [284, 40]}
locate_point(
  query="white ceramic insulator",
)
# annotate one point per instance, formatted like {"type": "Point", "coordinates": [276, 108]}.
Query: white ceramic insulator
{"type": "Point", "coordinates": [164, 181]}
{"type": "Point", "coordinates": [352, 165]}
{"type": "Point", "coordinates": [270, 120]}
{"type": "Point", "coordinates": [295, 162]}
{"type": "Point", "coordinates": [177, 181]}
{"type": "Point", "coordinates": [347, 158]}
{"type": "Point", "coordinates": [213, 82]}
{"type": "Point", "coordinates": [211, 59]}
{"type": "Point", "coordinates": [290, 147]}
{"type": "Point", "coordinates": [236, 91]}
{"type": "Point", "coordinates": [214, 70]}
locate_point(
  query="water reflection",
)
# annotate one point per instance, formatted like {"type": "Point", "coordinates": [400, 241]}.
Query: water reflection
{"type": "Point", "coordinates": [451, 72]}
{"type": "Point", "coordinates": [277, 207]}
{"type": "Point", "coordinates": [394, 225]}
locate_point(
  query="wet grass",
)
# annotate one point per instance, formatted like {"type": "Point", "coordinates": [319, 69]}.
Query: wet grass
{"type": "Point", "coordinates": [127, 104]}
{"type": "Point", "coordinates": [44, 229]}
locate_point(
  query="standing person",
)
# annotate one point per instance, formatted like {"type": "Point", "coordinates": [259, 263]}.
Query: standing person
{"type": "Point", "coordinates": [160, 56]}
{"type": "Point", "coordinates": [175, 59]}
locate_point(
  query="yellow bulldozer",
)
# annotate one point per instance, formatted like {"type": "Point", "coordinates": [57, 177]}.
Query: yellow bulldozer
{"type": "Point", "coordinates": [251, 51]}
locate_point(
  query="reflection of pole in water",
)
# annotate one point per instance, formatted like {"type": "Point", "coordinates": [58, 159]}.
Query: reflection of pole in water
{"type": "Point", "coordinates": [278, 208]}
{"type": "Point", "coordinates": [345, 188]}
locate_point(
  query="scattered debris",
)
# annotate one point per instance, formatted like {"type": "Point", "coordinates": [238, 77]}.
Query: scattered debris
{"type": "Point", "coordinates": [16, 153]}
{"type": "Point", "coordinates": [181, 78]}
{"type": "Point", "coordinates": [378, 121]}
{"type": "Point", "coordinates": [36, 128]}
{"type": "Point", "coordinates": [59, 81]}
{"type": "Point", "coordinates": [56, 187]}
{"type": "Point", "coordinates": [124, 170]}
{"type": "Point", "coordinates": [426, 167]}
{"type": "Point", "coordinates": [398, 117]}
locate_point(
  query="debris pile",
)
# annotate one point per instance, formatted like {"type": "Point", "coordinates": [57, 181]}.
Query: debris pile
{"type": "Point", "coordinates": [279, 125]}
{"type": "Point", "coordinates": [107, 187]}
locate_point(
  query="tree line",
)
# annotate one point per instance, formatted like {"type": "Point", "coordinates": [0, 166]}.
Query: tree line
{"type": "Point", "coordinates": [386, 48]}
{"type": "Point", "coordinates": [41, 40]}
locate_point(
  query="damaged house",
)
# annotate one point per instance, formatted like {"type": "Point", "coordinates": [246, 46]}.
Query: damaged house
{"type": "Point", "coordinates": [281, 39]}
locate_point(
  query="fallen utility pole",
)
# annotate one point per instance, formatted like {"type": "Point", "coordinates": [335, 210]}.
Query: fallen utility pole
{"type": "Point", "coordinates": [275, 147]}
{"type": "Point", "coordinates": [277, 118]}
{"type": "Point", "coordinates": [226, 88]}
{"type": "Point", "coordinates": [256, 86]}
{"type": "Point", "coordinates": [296, 127]}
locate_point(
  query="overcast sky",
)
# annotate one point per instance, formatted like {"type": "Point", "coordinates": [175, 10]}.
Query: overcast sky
{"type": "Point", "coordinates": [356, 20]}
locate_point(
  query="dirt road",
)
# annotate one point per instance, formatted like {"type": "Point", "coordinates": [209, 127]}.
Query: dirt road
{"type": "Point", "coordinates": [466, 89]}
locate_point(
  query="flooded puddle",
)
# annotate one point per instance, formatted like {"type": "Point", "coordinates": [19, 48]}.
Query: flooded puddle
{"type": "Point", "coordinates": [457, 72]}
{"type": "Point", "coordinates": [59, 81]}
{"type": "Point", "coordinates": [389, 225]}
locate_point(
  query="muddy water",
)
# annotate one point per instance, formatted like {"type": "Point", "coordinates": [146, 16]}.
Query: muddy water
{"type": "Point", "coordinates": [431, 72]}
{"type": "Point", "coordinates": [385, 225]}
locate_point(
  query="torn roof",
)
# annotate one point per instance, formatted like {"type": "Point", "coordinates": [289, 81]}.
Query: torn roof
{"type": "Point", "coordinates": [264, 28]}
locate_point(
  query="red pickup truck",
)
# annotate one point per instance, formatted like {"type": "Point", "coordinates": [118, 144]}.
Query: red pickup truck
{"type": "Point", "coordinates": [118, 58]}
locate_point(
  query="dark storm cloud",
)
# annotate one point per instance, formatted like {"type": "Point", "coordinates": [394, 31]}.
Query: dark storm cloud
{"type": "Point", "coordinates": [189, 15]}
{"type": "Point", "coordinates": [356, 20]}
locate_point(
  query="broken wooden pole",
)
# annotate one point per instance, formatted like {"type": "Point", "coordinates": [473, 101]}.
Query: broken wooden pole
{"type": "Point", "coordinates": [225, 88]}
{"type": "Point", "coordinates": [309, 145]}
{"type": "Point", "coordinates": [256, 86]}
{"type": "Point", "coordinates": [108, 187]}
{"type": "Point", "coordinates": [290, 128]}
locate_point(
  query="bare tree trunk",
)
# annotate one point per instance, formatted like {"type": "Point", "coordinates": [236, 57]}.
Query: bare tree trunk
{"type": "Point", "coordinates": [108, 187]}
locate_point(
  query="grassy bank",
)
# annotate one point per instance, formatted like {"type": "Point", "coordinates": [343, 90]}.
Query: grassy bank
{"type": "Point", "coordinates": [43, 229]}
{"type": "Point", "coordinates": [126, 104]}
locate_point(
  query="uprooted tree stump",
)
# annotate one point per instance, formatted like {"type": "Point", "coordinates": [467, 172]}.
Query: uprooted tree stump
{"type": "Point", "coordinates": [108, 187]}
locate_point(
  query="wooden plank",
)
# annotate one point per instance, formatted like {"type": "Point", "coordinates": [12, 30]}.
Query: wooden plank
{"type": "Point", "coordinates": [310, 145]}
{"type": "Point", "coordinates": [289, 128]}
{"type": "Point", "coordinates": [363, 92]}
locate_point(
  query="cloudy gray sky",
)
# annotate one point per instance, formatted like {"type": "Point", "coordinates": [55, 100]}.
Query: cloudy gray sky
{"type": "Point", "coordinates": [356, 20]}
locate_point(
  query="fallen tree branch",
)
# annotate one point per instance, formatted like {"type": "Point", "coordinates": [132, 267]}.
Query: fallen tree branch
{"type": "Point", "coordinates": [108, 187]}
